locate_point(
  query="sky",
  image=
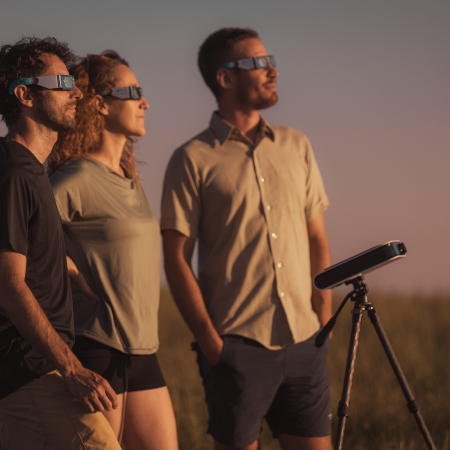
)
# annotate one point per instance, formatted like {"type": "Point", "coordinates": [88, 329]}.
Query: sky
{"type": "Point", "coordinates": [366, 81]}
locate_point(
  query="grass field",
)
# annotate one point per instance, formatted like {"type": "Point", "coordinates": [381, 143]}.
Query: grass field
{"type": "Point", "coordinates": [419, 331]}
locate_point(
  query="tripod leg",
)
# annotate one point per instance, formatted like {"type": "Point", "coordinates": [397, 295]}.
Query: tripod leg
{"type": "Point", "coordinates": [344, 404]}
{"type": "Point", "coordinates": [413, 404]}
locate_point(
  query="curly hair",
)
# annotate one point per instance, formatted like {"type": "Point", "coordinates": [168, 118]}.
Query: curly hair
{"type": "Point", "coordinates": [218, 49]}
{"type": "Point", "coordinates": [21, 60]}
{"type": "Point", "coordinates": [92, 74]}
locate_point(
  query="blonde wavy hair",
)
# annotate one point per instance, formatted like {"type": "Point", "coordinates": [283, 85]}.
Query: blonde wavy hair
{"type": "Point", "coordinates": [92, 74]}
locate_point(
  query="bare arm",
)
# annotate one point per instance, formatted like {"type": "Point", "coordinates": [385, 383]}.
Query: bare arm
{"type": "Point", "coordinates": [28, 317]}
{"type": "Point", "coordinates": [320, 259]}
{"type": "Point", "coordinates": [78, 282]}
{"type": "Point", "coordinates": [183, 284]}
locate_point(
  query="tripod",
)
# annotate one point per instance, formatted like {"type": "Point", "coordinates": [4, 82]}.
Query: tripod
{"type": "Point", "coordinates": [359, 296]}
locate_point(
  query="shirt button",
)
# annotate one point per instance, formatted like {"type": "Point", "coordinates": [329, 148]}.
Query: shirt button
{"type": "Point", "coordinates": [281, 294]}
{"type": "Point", "coordinates": [274, 235]}
{"type": "Point", "coordinates": [280, 265]}
{"type": "Point", "coordinates": [262, 180]}
{"type": "Point", "coordinates": [268, 207]}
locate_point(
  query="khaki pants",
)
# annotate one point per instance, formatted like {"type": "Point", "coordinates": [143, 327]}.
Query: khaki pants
{"type": "Point", "coordinates": [44, 415]}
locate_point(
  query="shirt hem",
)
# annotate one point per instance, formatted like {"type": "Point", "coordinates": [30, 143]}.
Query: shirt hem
{"type": "Point", "coordinates": [270, 347]}
{"type": "Point", "coordinates": [116, 346]}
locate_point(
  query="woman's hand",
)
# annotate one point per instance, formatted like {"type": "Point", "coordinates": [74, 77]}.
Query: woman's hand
{"type": "Point", "coordinates": [78, 282]}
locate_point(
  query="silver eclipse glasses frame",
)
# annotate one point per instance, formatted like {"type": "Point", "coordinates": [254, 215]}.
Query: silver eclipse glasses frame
{"type": "Point", "coordinates": [124, 93]}
{"type": "Point", "coordinates": [64, 82]}
{"type": "Point", "coordinates": [259, 62]}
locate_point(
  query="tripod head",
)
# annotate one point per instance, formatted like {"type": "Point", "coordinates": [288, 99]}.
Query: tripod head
{"type": "Point", "coordinates": [358, 295]}
{"type": "Point", "coordinates": [359, 288]}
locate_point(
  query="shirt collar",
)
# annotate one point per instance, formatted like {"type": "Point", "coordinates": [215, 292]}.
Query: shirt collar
{"type": "Point", "coordinates": [224, 130]}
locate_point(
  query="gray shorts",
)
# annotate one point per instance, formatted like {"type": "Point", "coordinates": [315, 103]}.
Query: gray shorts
{"type": "Point", "coordinates": [288, 387]}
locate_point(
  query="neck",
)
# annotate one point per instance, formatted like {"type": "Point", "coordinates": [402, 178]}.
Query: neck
{"type": "Point", "coordinates": [110, 151]}
{"type": "Point", "coordinates": [37, 138]}
{"type": "Point", "coordinates": [246, 121]}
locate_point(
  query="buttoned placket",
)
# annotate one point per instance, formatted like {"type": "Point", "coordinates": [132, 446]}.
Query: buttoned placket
{"type": "Point", "coordinates": [269, 210]}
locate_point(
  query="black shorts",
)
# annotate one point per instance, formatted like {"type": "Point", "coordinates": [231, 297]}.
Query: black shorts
{"type": "Point", "coordinates": [124, 372]}
{"type": "Point", "coordinates": [288, 387]}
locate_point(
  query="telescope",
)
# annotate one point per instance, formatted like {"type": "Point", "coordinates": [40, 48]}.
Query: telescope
{"type": "Point", "coordinates": [351, 271]}
{"type": "Point", "coordinates": [360, 264]}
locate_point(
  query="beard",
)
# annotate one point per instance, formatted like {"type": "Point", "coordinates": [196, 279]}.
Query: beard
{"type": "Point", "coordinates": [257, 99]}
{"type": "Point", "coordinates": [266, 102]}
{"type": "Point", "coordinates": [55, 116]}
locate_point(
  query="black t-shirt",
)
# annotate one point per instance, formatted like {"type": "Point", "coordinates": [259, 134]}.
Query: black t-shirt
{"type": "Point", "coordinates": [31, 225]}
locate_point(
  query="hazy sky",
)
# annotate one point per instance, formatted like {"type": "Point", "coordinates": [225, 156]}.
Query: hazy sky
{"type": "Point", "coordinates": [366, 81]}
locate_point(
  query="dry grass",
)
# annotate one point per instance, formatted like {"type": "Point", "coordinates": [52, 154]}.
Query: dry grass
{"type": "Point", "coordinates": [419, 331]}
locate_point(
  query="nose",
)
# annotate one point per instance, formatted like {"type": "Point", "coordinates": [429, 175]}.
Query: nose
{"type": "Point", "coordinates": [77, 93]}
{"type": "Point", "coordinates": [144, 103]}
{"type": "Point", "coordinates": [273, 72]}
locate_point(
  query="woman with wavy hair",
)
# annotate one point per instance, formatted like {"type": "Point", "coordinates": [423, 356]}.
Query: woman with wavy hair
{"type": "Point", "coordinates": [113, 248]}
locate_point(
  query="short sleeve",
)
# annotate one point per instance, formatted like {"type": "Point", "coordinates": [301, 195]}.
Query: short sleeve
{"type": "Point", "coordinates": [316, 198]}
{"type": "Point", "coordinates": [181, 204]}
{"type": "Point", "coordinates": [16, 208]}
{"type": "Point", "coordinates": [63, 196]}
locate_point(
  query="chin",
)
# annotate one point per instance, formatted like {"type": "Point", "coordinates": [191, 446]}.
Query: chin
{"type": "Point", "coordinates": [268, 102]}
{"type": "Point", "coordinates": [63, 126]}
{"type": "Point", "coordinates": [138, 132]}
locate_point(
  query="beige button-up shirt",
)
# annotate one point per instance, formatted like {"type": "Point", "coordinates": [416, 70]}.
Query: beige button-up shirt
{"type": "Point", "coordinates": [249, 207]}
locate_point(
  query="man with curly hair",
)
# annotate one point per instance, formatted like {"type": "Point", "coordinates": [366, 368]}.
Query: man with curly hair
{"type": "Point", "coordinates": [47, 399]}
{"type": "Point", "coordinates": [252, 194]}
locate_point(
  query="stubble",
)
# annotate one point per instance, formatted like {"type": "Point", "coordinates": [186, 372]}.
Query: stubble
{"type": "Point", "coordinates": [54, 116]}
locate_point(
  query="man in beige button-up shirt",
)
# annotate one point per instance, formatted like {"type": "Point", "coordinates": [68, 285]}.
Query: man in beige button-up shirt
{"type": "Point", "coordinates": [252, 194]}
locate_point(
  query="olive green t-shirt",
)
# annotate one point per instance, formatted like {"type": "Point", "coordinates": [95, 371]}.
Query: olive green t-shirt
{"type": "Point", "coordinates": [113, 237]}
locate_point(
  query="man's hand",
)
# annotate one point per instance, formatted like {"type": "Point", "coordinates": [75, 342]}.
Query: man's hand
{"type": "Point", "coordinates": [92, 390]}
{"type": "Point", "coordinates": [212, 350]}
{"type": "Point", "coordinates": [78, 282]}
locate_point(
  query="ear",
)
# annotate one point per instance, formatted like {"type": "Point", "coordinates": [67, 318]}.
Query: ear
{"type": "Point", "coordinates": [101, 105]}
{"type": "Point", "coordinates": [24, 96]}
{"type": "Point", "coordinates": [225, 78]}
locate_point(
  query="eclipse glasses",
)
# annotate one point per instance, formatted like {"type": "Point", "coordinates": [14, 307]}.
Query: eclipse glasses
{"type": "Point", "coordinates": [125, 93]}
{"type": "Point", "coordinates": [260, 62]}
{"type": "Point", "coordinates": [67, 83]}
{"type": "Point", "coordinates": [64, 82]}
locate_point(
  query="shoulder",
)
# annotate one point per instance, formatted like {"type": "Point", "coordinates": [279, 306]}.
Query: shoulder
{"type": "Point", "coordinates": [17, 165]}
{"type": "Point", "coordinates": [290, 139]}
{"type": "Point", "coordinates": [73, 173]}
{"type": "Point", "coordinates": [287, 133]}
{"type": "Point", "coordinates": [192, 153]}
{"type": "Point", "coordinates": [196, 146]}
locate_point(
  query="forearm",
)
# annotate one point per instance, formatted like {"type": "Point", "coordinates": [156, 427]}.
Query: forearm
{"type": "Point", "coordinates": [78, 282]}
{"type": "Point", "coordinates": [189, 299]}
{"type": "Point", "coordinates": [187, 295]}
{"type": "Point", "coordinates": [322, 305]}
{"type": "Point", "coordinates": [28, 317]}
{"type": "Point", "coordinates": [320, 259]}
{"type": "Point", "coordinates": [25, 313]}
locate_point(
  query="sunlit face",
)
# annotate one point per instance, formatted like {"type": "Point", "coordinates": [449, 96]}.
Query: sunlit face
{"type": "Point", "coordinates": [255, 89]}
{"type": "Point", "coordinates": [56, 109]}
{"type": "Point", "coordinates": [125, 117]}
